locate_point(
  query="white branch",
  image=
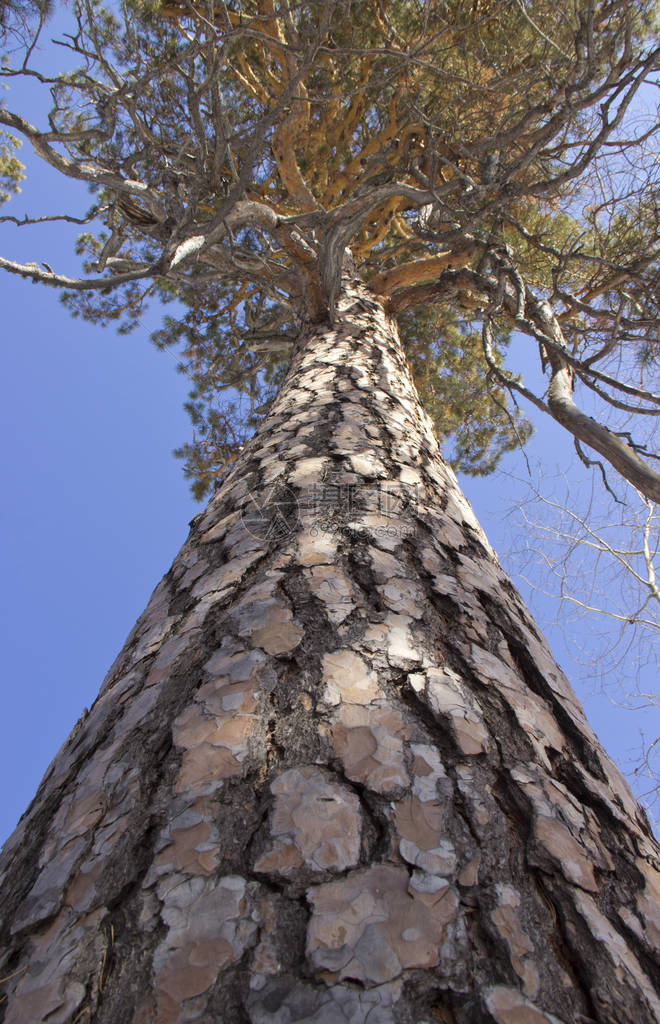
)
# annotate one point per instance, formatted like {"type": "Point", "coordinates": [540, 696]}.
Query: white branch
{"type": "Point", "coordinates": [34, 272]}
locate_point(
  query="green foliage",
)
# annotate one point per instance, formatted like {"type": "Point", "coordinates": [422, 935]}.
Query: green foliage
{"type": "Point", "coordinates": [235, 371]}
{"type": "Point", "coordinates": [11, 169]}
{"type": "Point", "coordinates": [472, 414]}
{"type": "Point", "coordinates": [17, 19]}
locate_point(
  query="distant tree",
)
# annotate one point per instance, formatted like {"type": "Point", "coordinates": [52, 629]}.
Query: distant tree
{"type": "Point", "coordinates": [599, 562]}
{"type": "Point", "coordinates": [335, 774]}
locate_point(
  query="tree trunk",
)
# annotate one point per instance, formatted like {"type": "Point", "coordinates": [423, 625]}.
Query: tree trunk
{"type": "Point", "coordinates": [334, 775]}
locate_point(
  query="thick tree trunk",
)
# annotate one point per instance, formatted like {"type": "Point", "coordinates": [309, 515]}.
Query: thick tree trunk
{"type": "Point", "coordinates": [335, 774]}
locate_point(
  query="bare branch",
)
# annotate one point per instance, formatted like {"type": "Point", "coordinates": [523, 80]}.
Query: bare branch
{"type": "Point", "coordinates": [33, 272]}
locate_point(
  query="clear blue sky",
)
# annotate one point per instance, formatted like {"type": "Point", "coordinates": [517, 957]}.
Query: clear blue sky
{"type": "Point", "coordinates": [95, 506]}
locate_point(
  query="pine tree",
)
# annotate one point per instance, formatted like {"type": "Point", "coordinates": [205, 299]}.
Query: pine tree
{"type": "Point", "coordinates": [335, 774]}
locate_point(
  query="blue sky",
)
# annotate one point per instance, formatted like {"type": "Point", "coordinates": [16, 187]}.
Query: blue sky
{"type": "Point", "coordinates": [95, 506]}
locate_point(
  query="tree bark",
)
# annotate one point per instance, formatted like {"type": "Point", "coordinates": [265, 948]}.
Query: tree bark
{"type": "Point", "coordinates": [335, 774]}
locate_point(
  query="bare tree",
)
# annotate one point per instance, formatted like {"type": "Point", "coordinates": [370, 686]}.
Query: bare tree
{"type": "Point", "coordinates": [597, 561]}
{"type": "Point", "coordinates": [601, 565]}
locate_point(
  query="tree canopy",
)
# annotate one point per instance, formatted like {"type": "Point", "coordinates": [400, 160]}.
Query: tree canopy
{"type": "Point", "coordinates": [489, 165]}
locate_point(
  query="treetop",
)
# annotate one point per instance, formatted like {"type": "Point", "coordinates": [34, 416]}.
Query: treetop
{"type": "Point", "coordinates": [488, 164]}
